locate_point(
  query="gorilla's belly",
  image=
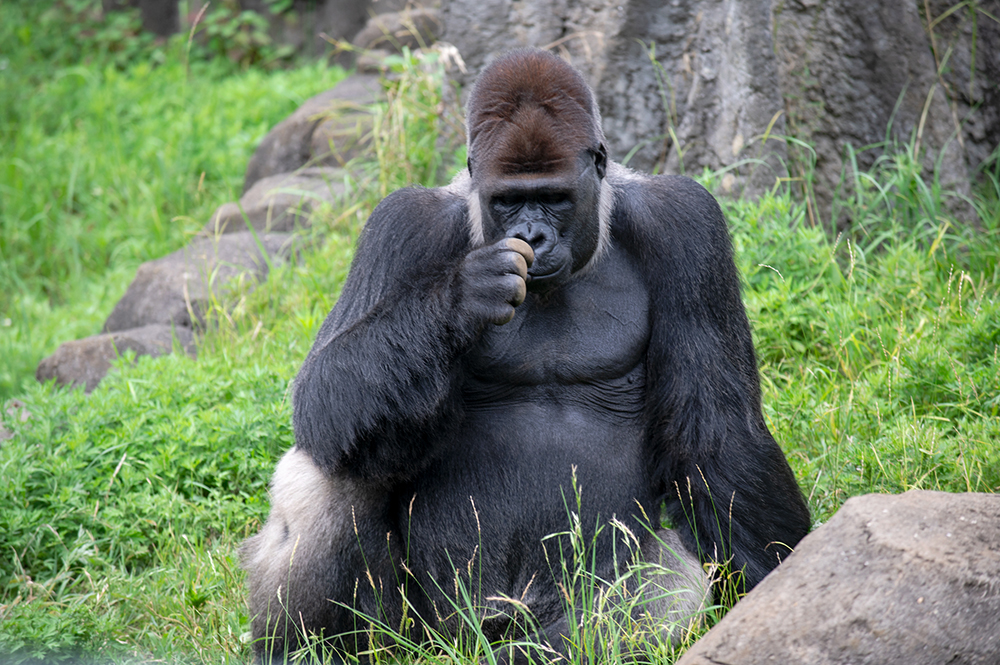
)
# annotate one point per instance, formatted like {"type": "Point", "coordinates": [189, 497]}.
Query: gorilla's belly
{"type": "Point", "coordinates": [532, 458]}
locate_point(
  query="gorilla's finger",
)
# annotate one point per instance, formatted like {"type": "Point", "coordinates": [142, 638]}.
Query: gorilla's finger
{"type": "Point", "coordinates": [505, 318]}
{"type": "Point", "coordinates": [520, 291]}
{"type": "Point", "coordinates": [522, 248]}
{"type": "Point", "coordinates": [520, 266]}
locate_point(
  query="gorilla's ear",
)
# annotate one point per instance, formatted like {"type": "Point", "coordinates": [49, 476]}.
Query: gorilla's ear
{"type": "Point", "coordinates": [600, 161]}
{"type": "Point", "coordinates": [468, 163]}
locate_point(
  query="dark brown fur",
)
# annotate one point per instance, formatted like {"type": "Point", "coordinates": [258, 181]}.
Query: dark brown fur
{"type": "Point", "coordinates": [530, 112]}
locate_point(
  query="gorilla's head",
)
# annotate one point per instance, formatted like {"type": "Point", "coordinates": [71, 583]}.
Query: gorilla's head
{"type": "Point", "coordinates": [537, 161]}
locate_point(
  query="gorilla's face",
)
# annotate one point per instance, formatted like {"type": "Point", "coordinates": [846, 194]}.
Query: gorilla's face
{"type": "Point", "coordinates": [556, 213]}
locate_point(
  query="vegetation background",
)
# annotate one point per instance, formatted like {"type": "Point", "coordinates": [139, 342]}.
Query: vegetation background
{"type": "Point", "coordinates": [121, 511]}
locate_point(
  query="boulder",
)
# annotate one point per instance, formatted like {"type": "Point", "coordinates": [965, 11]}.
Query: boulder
{"type": "Point", "coordinates": [279, 203]}
{"type": "Point", "coordinates": [176, 289]}
{"type": "Point", "coordinates": [413, 28]}
{"type": "Point", "coordinates": [342, 136]}
{"type": "Point", "coordinates": [310, 27]}
{"type": "Point", "coordinates": [912, 579]}
{"type": "Point", "coordinates": [372, 61]}
{"type": "Point", "coordinates": [289, 146]}
{"type": "Point", "coordinates": [86, 361]}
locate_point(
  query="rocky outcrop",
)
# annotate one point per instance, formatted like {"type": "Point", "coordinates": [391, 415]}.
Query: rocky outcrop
{"type": "Point", "coordinates": [912, 579]}
{"type": "Point", "coordinates": [412, 28]}
{"type": "Point", "coordinates": [310, 27]}
{"type": "Point", "coordinates": [177, 289]}
{"type": "Point", "coordinates": [346, 131]}
{"type": "Point", "coordinates": [288, 179]}
{"type": "Point", "coordinates": [84, 362]}
{"type": "Point", "coordinates": [166, 304]}
{"type": "Point", "coordinates": [862, 74]}
{"type": "Point", "coordinates": [280, 203]}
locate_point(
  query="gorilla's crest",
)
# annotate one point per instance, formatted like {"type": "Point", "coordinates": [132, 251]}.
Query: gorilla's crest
{"type": "Point", "coordinates": [530, 112]}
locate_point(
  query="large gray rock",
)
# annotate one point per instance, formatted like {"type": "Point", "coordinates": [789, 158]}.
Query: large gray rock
{"type": "Point", "coordinates": [912, 579]}
{"type": "Point", "coordinates": [279, 203]}
{"type": "Point", "coordinates": [86, 361]}
{"type": "Point", "coordinates": [176, 289]}
{"type": "Point", "coordinates": [971, 77]}
{"type": "Point", "coordinates": [413, 28]}
{"type": "Point", "coordinates": [342, 136]}
{"type": "Point", "coordinates": [310, 27]}
{"type": "Point", "coordinates": [855, 72]}
{"type": "Point", "coordinates": [289, 146]}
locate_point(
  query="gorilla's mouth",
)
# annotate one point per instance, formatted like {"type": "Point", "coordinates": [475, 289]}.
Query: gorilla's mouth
{"type": "Point", "coordinates": [546, 281]}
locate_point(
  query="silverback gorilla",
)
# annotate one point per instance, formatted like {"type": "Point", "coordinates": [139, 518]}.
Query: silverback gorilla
{"type": "Point", "coordinates": [548, 318]}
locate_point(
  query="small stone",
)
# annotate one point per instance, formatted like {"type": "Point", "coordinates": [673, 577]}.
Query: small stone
{"type": "Point", "coordinates": [86, 361]}
{"type": "Point", "coordinates": [176, 289]}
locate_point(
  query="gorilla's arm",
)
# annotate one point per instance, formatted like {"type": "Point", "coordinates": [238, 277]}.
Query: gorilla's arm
{"type": "Point", "coordinates": [727, 485]}
{"type": "Point", "coordinates": [379, 385]}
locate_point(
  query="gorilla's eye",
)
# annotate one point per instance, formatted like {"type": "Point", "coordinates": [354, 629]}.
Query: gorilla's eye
{"type": "Point", "coordinates": [553, 198]}
{"type": "Point", "coordinates": [508, 200]}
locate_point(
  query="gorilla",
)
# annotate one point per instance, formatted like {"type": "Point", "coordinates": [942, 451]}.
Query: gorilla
{"type": "Point", "coordinates": [549, 323]}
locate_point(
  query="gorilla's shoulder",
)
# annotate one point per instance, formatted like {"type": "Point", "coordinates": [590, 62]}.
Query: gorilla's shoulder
{"type": "Point", "coordinates": [417, 202]}
{"type": "Point", "coordinates": [434, 221]}
{"type": "Point", "coordinates": [663, 198]}
{"type": "Point", "coordinates": [667, 213]}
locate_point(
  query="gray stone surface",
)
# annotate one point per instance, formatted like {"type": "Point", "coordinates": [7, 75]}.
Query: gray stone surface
{"type": "Point", "coordinates": [176, 289]}
{"type": "Point", "coordinates": [279, 203]}
{"type": "Point", "coordinates": [413, 28]}
{"type": "Point", "coordinates": [972, 73]}
{"type": "Point", "coordinates": [855, 72]}
{"type": "Point", "coordinates": [289, 146]}
{"type": "Point", "coordinates": [86, 361]}
{"type": "Point", "coordinates": [912, 579]}
{"type": "Point", "coordinates": [341, 137]}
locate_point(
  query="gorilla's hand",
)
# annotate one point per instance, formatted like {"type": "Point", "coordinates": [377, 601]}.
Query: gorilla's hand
{"type": "Point", "coordinates": [492, 280]}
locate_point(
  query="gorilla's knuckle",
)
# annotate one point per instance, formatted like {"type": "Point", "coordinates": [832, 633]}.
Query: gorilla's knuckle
{"type": "Point", "coordinates": [520, 266]}
{"type": "Point", "coordinates": [518, 289]}
{"type": "Point", "coordinates": [504, 315]}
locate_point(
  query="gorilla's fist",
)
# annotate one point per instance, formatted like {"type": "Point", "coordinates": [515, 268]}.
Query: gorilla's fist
{"type": "Point", "coordinates": [492, 280]}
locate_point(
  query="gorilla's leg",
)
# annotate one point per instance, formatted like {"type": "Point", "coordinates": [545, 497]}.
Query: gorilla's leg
{"type": "Point", "coordinates": [673, 586]}
{"type": "Point", "coordinates": [309, 560]}
{"type": "Point", "coordinates": [670, 589]}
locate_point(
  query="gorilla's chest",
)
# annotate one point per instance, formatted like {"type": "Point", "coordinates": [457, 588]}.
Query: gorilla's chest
{"type": "Point", "coordinates": [595, 328]}
{"type": "Point", "coordinates": [552, 401]}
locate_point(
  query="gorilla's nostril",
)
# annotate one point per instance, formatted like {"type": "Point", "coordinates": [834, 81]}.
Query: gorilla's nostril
{"type": "Point", "coordinates": [533, 234]}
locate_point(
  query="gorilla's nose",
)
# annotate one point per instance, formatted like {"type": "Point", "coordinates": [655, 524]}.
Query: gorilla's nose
{"type": "Point", "coordinates": [540, 236]}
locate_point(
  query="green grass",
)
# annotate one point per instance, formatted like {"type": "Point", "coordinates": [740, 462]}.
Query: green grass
{"type": "Point", "coordinates": [121, 511]}
{"type": "Point", "coordinates": [102, 168]}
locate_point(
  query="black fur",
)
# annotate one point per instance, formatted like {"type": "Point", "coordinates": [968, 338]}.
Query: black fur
{"type": "Point", "coordinates": [452, 442]}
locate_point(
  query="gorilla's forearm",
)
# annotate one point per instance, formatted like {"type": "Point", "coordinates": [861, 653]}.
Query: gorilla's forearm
{"type": "Point", "coordinates": [728, 487]}
{"type": "Point", "coordinates": [365, 401]}
{"type": "Point", "coordinates": [372, 398]}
